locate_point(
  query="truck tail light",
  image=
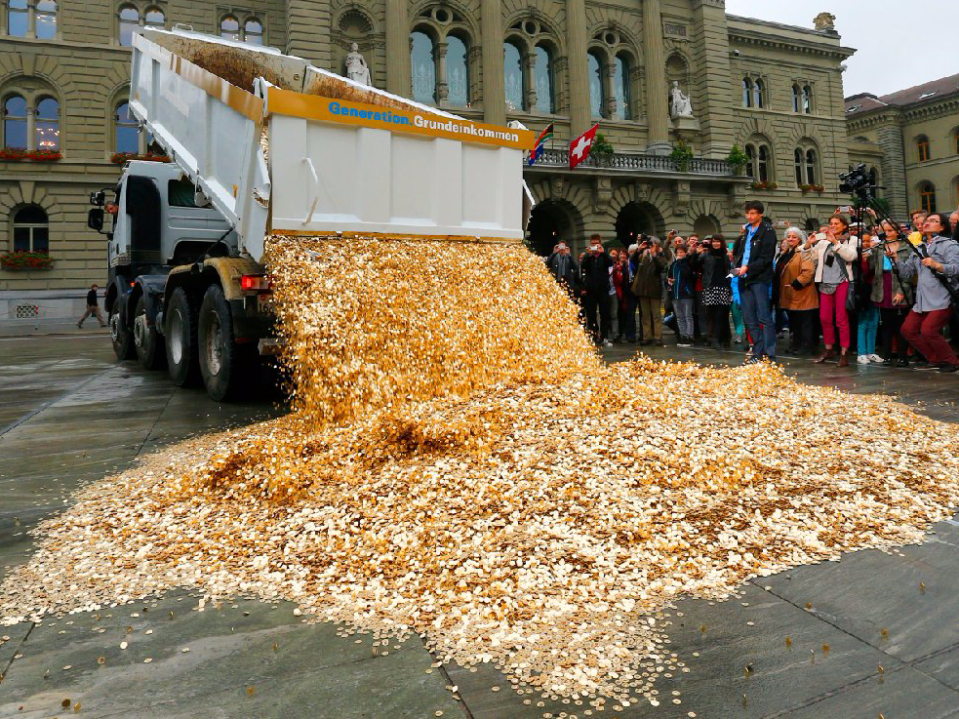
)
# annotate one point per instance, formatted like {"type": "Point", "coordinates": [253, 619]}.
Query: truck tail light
{"type": "Point", "coordinates": [260, 283]}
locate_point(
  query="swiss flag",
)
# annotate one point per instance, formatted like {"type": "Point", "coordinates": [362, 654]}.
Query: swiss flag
{"type": "Point", "coordinates": [580, 147]}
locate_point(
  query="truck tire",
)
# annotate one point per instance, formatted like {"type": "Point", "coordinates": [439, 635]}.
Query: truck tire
{"type": "Point", "coordinates": [146, 339]}
{"type": "Point", "coordinates": [120, 335]}
{"type": "Point", "coordinates": [219, 358]}
{"type": "Point", "coordinates": [180, 331]}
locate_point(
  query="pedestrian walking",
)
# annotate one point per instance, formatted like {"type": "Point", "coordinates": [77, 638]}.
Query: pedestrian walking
{"type": "Point", "coordinates": [93, 308]}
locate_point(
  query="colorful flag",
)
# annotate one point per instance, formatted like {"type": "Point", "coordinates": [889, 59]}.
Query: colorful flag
{"type": "Point", "coordinates": [544, 137]}
{"type": "Point", "coordinates": [580, 147]}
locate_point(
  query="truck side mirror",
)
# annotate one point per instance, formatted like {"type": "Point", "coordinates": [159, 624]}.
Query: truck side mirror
{"type": "Point", "coordinates": [95, 219]}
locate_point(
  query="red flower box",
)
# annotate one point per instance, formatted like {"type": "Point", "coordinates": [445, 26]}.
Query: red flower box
{"type": "Point", "coordinates": [119, 158]}
{"type": "Point", "coordinates": [24, 260]}
{"type": "Point", "coordinates": [12, 154]}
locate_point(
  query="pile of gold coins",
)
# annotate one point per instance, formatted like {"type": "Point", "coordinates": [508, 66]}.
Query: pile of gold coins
{"type": "Point", "coordinates": [459, 464]}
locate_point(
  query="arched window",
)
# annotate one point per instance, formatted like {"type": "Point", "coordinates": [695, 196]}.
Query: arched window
{"type": "Point", "coordinates": [15, 122]}
{"type": "Point", "coordinates": [230, 28]}
{"type": "Point", "coordinates": [927, 197]}
{"type": "Point", "coordinates": [807, 99]}
{"type": "Point", "coordinates": [423, 64]}
{"type": "Point", "coordinates": [759, 94]}
{"type": "Point", "coordinates": [747, 92]}
{"type": "Point", "coordinates": [154, 17]}
{"type": "Point", "coordinates": [751, 165]}
{"type": "Point", "coordinates": [457, 72]}
{"type": "Point", "coordinates": [514, 77]}
{"type": "Point", "coordinates": [17, 18]}
{"type": "Point", "coordinates": [797, 98]}
{"type": "Point", "coordinates": [129, 24]}
{"type": "Point", "coordinates": [799, 161]}
{"type": "Point", "coordinates": [543, 81]}
{"type": "Point", "coordinates": [763, 163]}
{"type": "Point", "coordinates": [46, 18]}
{"type": "Point", "coordinates": [31, 232]}
{"type": "Point", "coordinates": [624, 110]}
{"type": "Point", "coordinates": [48, 124]}
{"type": "Point", "coordinates": [253, 31]}
{"type": "Point", "coordinates": [597, 95]}
{"type": "Point", "coordinates": [811, 172]}
{"type": "Point", "coordinates": [127, 129]}
{"type": "Point", "coordinates": [922, 145]}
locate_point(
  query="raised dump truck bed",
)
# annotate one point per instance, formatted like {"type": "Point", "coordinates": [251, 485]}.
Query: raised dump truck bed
{"type": "Point", "coordinates": [342, 158]}
{"type": "Point", "coordinates": [266, 143]}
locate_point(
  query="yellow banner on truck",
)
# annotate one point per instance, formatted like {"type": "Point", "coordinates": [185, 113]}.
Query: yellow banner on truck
{"type": "Point", "coordinates": [312, 107]}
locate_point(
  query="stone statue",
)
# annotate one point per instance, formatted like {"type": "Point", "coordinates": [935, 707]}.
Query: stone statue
{"type": "Point", "coordinates": [356, 67]}
{"type": "Point", "coordinates": [680, 105]}
{"type": "Point", "coordinates": [825, 22]}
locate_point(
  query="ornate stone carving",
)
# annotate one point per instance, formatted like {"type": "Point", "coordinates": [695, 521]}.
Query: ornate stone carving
{"type": "Point", "coordinates": [356, 67]}
{"type": "Point", "coordinates": [825, 22]}
{"type": "Point", "coordinates": [602, 194]}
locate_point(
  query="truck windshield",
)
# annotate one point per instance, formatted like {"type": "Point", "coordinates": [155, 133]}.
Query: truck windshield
{"type": "Point", "coordinates": [180, 193]}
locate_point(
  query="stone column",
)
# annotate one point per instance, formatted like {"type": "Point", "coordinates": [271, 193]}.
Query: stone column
{"type": "Point", "coordinates": [31, 128]}
{"type": "Point", "coordinates": [442, 82]}
{"type": "Point", "coordinates": [398, 71]}
{"type": "Point", "coordinates": [609, 79]}
{"type": "Point", "coordinates": [657, 109]}
{"type": "Point", "coordinates": [577, 44]}
{"type": "Point", "coordinates": [494, 90]}
{"type": "Point", "coordinates": [893, 165]}
{"type": "Point", "coordinates": [529, 64]}
{"type": "Point", "coordinates": [709, 84]}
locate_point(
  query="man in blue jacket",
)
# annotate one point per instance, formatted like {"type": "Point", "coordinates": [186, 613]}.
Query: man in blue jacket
{"type": "Point", "coordinates": [753, 264]}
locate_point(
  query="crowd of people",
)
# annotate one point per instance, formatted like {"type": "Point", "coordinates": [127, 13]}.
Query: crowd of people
{"type": "Point", "coordinates": [858, 286]}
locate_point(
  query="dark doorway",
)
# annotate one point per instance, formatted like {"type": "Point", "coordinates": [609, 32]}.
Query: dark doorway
{"type": "Point", "coordinates": [634, 219]}
{"type": "Point", "coordinates": [548, 224]}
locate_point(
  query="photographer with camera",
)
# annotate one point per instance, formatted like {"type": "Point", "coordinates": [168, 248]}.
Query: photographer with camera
{"type": "Point", "coordinates": [595, 271]}
{"type": "Point", "coordinates": [713, 265]}
{"type": "Point", "coordinates": [835, 252]}
{"type": "Point", "coordinates": [648, 289]}
{"type": "Point", "coordinates": [753, 266]}
{"type": "Point", "coordinates": [891, 293]}
{"type": "Point", "coordinates": [938, 267]}
{"type": "Point", "coordinates": [564, 269]}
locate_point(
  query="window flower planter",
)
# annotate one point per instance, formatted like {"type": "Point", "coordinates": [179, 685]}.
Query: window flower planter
{"type": "Point", "coordinates": [44, 155]}
{"type": "Point", "coordinates": [12, 154]}
{"type": "Point", "coordinates": [118, 158]}
{"type": "Point", "coordinates": [765, 185]}
{"type": "Point", "coordinates": [806, 189]}
{"type": "Point", "coordinates": [21, 260]}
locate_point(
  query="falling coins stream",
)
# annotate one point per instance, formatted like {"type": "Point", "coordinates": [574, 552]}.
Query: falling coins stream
{"type": "Point", "coordinates": [459, 464]}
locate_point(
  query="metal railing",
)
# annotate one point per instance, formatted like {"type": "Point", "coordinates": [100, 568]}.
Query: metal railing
{"type": "Point", "coordinates": [636, 162]}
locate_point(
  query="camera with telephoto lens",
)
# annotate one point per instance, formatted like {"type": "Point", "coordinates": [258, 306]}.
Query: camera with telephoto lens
{"type": "Point", "coordinates": [857, 182]}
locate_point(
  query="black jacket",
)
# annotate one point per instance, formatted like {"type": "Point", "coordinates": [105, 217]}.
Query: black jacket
{"type": "Point", "coordinates": [714, 266]}
{"type": "Point", "coordinates": [595, 272]}
{"type": "Point", "coordinates": [761, 253]}
{"type": "Point", "coordinates": [564, 269]}
{"type": "Point", "coordinates": [91, 298]}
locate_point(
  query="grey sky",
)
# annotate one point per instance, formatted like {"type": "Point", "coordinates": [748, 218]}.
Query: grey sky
{"type": "Point", "coordinates": [898, 43]}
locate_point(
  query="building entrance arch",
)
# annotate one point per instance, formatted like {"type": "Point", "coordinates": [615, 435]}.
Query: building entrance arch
{"type": "Point", "coordinates": [637, 218]}
{"type": "Point", "coordinates": [552, 221]}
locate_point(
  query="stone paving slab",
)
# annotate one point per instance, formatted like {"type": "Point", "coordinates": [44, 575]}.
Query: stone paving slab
{"type": "Point", "coordinates": [247, 658]}
{"type": "Point", "coordinates": [906, 604]}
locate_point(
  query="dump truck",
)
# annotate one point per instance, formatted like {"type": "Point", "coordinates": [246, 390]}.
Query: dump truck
{"type": "Point", "coordinates": [263, 143]}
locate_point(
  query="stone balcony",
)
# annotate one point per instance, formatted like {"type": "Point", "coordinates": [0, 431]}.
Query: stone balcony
{"type": "Point", "coordinates": [638, 164]}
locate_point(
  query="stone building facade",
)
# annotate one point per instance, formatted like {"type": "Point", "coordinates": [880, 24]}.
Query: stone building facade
{"type": "Point", "coordinates": [910, 140]}
{"type": "Point", "coordinates": [773, 90]}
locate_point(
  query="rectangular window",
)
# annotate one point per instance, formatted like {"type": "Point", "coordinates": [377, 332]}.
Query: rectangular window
{"type": "Point", "coordinates": [923, 150]}
{"type": "Point", "coordinates": [21, 239]}
{"type": "Point", "coordinates": [41, 239]}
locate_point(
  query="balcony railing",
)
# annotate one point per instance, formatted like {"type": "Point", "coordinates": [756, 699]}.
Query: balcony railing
{"type": "Point", "coordinates": [630, 162]}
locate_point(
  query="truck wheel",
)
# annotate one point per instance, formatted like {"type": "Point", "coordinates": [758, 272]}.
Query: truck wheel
{"type": "Point", "coordinates": [120, 335]}
{"type": "Point", "coordinates": [219, 359]}
{"type": "Point", "coordinates": [146, 339]}
{"type": "Point", "coordinates": [181, 355]}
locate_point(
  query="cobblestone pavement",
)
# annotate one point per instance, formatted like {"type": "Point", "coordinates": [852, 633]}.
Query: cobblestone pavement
{"type": "Point", "coordinates": [872, 644]}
